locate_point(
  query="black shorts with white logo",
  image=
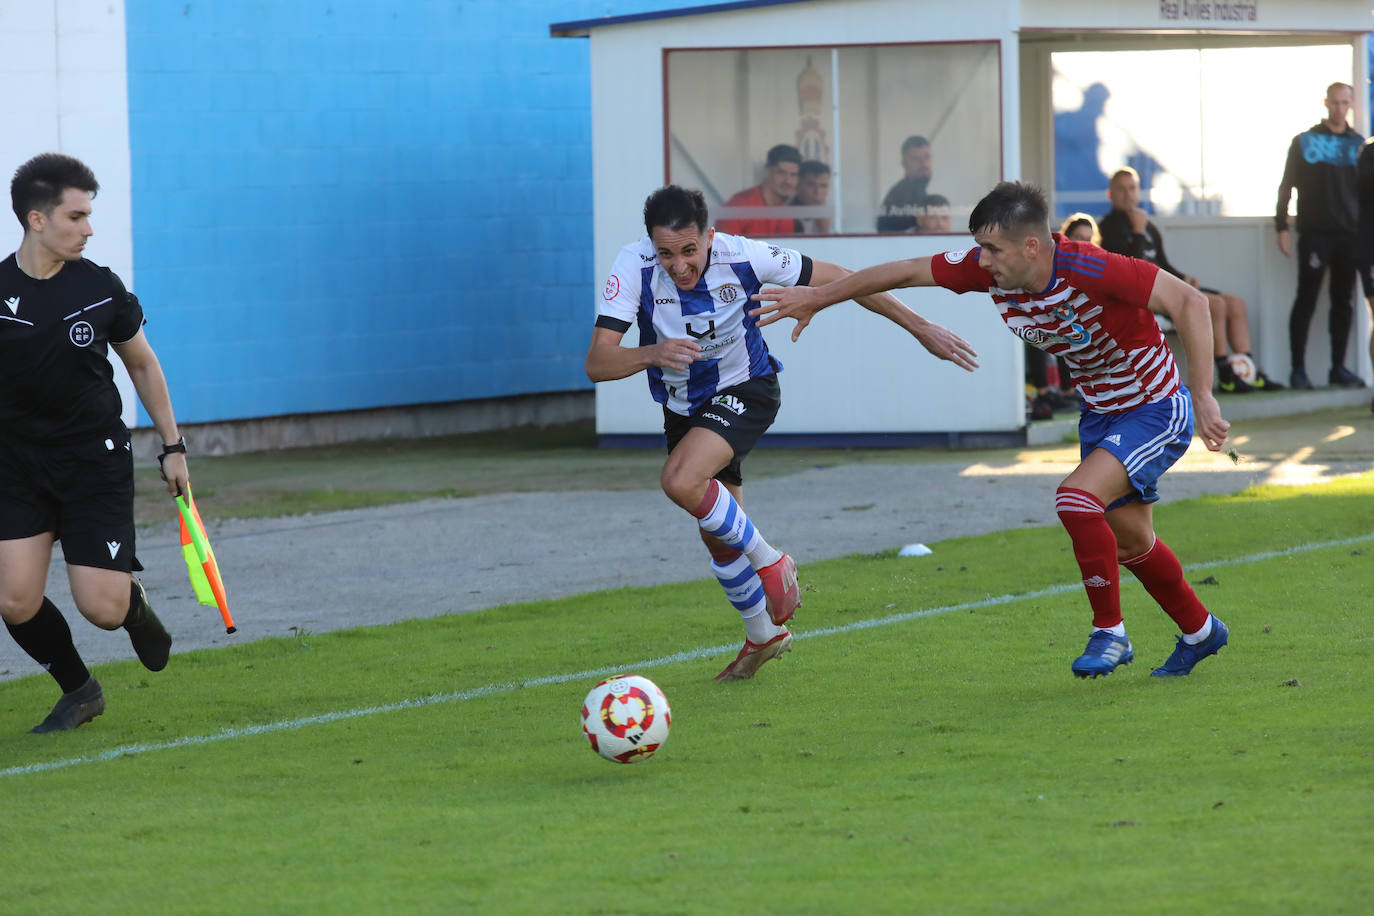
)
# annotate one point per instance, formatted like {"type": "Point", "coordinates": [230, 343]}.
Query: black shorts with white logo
{"type": "Point", "coordinates": [740, 415]}
{"type": "Point", "coordinates": [84, 493]}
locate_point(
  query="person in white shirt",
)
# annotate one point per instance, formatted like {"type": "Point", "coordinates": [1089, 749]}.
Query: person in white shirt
{"type": "Point", "coordinates": [688, 288]}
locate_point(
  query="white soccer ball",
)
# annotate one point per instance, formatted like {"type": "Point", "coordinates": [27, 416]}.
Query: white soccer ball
{"type": "Point", "coordinates": [626, 718]}
{"type": "Point", "coordinates": [1244, 367]}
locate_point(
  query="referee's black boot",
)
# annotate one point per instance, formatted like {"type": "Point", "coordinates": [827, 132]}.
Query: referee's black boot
{"type": "Point", "coordinates": [74, 709]}
{"type": "Point", "coordinates": [150, 638]}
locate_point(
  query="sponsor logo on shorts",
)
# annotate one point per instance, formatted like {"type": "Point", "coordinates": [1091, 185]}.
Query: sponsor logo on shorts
{"type": "Point", "coordinates": [82, 334]}
{"type": "Point", "coordinates": [114, 548]}
{"type": "Point", "coordinates": [717, 417]}
{"type": "Point", "coordinates": [729, 402]}
{"type": "Point", "coordinates": [1114, 438]}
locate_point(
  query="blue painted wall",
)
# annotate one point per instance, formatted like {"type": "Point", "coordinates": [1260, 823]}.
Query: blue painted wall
{"type": "Point", "coordinates": [353, 204]}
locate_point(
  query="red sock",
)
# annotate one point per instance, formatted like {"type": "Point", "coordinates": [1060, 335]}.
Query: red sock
{"type": "Point", "coordinates": [1094, 547]}
{"type": "Point", "coordinates": [1158, 570]}
{"type": "Point", "coordinates": [708, 502]}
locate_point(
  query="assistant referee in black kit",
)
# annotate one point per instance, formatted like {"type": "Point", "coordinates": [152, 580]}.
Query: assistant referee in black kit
{"type": "Point", "coordinates": [66, 468]}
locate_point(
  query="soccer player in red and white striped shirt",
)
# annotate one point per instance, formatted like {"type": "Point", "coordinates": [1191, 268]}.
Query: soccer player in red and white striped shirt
{"type": "Point", "coordinates": [1093, 309]}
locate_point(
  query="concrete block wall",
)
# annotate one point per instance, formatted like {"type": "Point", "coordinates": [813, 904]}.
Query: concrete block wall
{"type": "Point", "coordinates": [348, 205]}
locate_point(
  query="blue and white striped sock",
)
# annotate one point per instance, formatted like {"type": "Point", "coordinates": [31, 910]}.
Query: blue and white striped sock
{"type": "Point", "coordinates": [745, 592]}
{"type": "Point", "coordinates": [722, 517]}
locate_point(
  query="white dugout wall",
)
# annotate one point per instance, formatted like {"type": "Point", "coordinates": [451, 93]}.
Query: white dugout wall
{"type": "Point", "coordinates": [852, 373]}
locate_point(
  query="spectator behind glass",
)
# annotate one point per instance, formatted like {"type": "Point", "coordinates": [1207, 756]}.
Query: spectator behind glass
{"type": "Point", "coordinates": [935, 215]}
{"type": "Point", "coordinates": [1321, 167]}
{"type": "Point", "coordinates": [813, 190]}
{"type": "Point", "coordinates": [903, 200]}
{"type": "Point", "coordinates": [780, 173]}
{"type": "Point", "coordinates": [1080, 227]}
{"type": "Point", "coordinates": [1128, 230]}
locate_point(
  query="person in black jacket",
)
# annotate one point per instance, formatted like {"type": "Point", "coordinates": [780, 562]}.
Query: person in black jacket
{"type": "Point", "coordinates": [66, 467]}
{"type": "Point", "coordinates": [1321, 168]}
{"type": "Point", "coordinates": [1128, 230]}
{"type": "Point", "coordinates": [1364, 173]}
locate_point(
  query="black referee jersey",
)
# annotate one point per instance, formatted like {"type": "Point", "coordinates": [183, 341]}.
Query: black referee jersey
{"type": "Point", "coordinates": [56, 382]}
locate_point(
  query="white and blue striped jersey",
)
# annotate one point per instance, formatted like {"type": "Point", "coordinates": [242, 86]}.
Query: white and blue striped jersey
{"type": "Point", "coordinates": [713, 313]}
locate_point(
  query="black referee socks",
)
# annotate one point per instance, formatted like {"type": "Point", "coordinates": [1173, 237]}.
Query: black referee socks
{"type": "Point", "coordinates": [48, 640]}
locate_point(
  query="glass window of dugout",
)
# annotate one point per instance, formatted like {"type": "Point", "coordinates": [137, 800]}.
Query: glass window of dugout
{"type": "Point", "coordinates": [1200, 146]}
{"type": "Point", "coordinates": [865, 139]}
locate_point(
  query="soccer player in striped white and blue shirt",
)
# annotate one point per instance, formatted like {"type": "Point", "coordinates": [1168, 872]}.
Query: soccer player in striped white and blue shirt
{"type": "Point", "coordinates": [688, 288]}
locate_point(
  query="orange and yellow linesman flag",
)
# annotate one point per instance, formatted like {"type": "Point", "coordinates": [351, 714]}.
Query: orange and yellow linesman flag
{"type": "Point", "coordinates": [200, 560]}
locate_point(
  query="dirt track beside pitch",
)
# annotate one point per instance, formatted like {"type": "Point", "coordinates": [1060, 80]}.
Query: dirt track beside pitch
{"type": "Point", "coordinates": [374, 566]}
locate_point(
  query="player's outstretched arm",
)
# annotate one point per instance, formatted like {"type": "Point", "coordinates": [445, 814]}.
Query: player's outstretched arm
{"type": "Point", "coordinates": [608, 360]}
{"type": "Point", "coordinates": [1187, 309]}
{"type": "Point", "coordinates": [937, 339]}
{"type": "Point", "coordinates": [146, 374]}
{"type": "Point", "coordinates": [803, 302]}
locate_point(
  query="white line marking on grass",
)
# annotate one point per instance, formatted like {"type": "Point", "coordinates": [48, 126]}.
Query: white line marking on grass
{"type": "Point", "coordinates": [130, 750]}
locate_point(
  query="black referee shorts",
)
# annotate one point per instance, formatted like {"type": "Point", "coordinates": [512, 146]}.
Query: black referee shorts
{"type": "Point", "coordinates": [740, 415]}
{"type": "Point", "coordinates": [84, 493]}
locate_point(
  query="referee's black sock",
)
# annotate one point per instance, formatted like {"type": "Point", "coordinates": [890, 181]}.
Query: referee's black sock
{"type": "Point", "coordinates": [151, 641]}
{"type": "Point", "coordinates": [48, 640]}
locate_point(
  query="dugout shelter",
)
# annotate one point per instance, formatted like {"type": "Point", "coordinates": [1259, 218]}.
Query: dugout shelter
{"type": "Point", "coordinates": [1202, 97]}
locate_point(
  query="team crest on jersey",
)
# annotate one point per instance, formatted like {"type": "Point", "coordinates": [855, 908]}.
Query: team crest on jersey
{"type": "Point", "coordinates": [81, 333]}
{"type": "Point", "coordinates": [728, 293]}
{"type": "Point", "coordinates": [612, 288]}
{"type": "Point", "coordinates": [955, 257]}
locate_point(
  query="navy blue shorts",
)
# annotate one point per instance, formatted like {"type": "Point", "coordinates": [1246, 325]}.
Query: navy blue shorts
{"type": "Point", "coordinates": [1147, 440]}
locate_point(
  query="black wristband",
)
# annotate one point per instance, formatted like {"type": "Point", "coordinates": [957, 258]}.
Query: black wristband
{"type": "Point", "coordinates": [177, 447]}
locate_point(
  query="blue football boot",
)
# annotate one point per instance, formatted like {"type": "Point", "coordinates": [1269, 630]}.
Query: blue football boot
{"type": "Point", "coordinates": [1105, 653]}
{"type": "Point", "coordinates": [1184, 657]}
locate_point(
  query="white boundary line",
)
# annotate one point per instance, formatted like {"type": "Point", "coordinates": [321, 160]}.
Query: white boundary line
{"type": "Point", "coordinates": [129, 750]}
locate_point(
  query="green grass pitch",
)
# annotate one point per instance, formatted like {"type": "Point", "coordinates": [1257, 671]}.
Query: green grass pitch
{"type": "Point", "coordinates": [923, 750]}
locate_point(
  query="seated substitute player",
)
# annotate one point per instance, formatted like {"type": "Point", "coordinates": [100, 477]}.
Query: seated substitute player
{"type": "Point", "coordinates": [1093, 308]}
{"type": "Point", "coordinates": [66, 469]}
{"type": "Point", "coordinates": [688, 287]}
{"type": "Point", "coordinates": [1128, 230]}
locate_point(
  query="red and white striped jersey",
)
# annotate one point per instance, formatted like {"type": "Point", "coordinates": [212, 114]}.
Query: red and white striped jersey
{"type": "Point", "coordinates": [1093, 314]}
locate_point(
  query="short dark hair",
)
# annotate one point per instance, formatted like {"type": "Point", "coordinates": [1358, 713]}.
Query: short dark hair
{"type": "Point", "coordinates": [1013, 207]}
{"type": "Point", "coordinates": [935, 200]}
{"type": "Point", "coordinates": [1124, 172]}
{"type": "Point", "coordinates": [783, 152]}
{"type": "Point", "coordinates": [675, 208]}
{"type": "Point", "coordinates": [914, 141]}
{"type": "Point", "coordinates": [814, 167]}
{"type": "Point", "coordinates": [40, 183]}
